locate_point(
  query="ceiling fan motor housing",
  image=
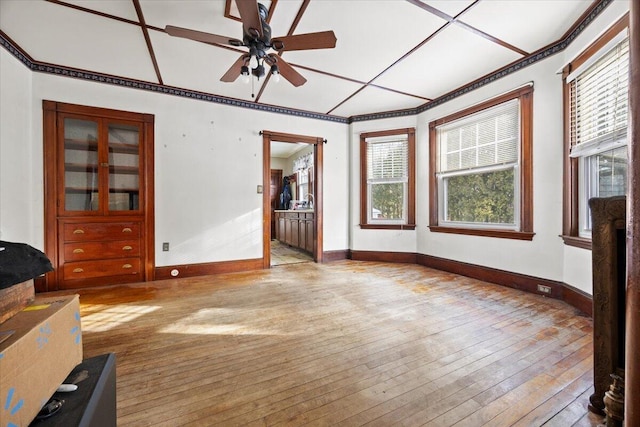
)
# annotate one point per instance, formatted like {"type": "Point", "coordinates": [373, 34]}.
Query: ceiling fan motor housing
{"type": "Point", "coordinates": [257, 38]}
{"type": "Point", "coordinates": [252, 35]}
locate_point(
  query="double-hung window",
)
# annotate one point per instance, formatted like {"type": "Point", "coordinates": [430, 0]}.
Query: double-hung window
{"type": "Point", "coordinates": [480, 162]}
{"type": "Point", "coordinates": [597, 92]}
{"type": "Point", "coordinates": [599, 118]}
{"type": "Point", "coordinates": [387, 179]}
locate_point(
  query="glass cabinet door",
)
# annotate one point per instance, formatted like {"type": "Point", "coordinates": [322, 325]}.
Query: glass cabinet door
{"type": "Point", "coordinates": [81, 165]}
{"type": "Point", "coordinates": [124, 172]}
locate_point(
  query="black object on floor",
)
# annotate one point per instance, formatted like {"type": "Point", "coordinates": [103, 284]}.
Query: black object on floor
{"type": "Point", "coordinates": [93, 404]}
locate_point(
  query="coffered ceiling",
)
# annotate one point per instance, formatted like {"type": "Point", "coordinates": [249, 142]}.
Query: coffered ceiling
{"type": "Point", "coordinates": [390, 54]}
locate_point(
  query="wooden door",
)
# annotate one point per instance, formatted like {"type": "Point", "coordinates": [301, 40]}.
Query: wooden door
{"type": "Point", "coordinates": [275, 188]}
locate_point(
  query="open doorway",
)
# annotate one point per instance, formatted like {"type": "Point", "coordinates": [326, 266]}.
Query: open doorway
{"type": "Point", "coordinates": [297, 222]}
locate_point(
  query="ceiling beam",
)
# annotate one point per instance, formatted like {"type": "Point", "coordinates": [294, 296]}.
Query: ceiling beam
{"type": "Point", "coordinates": [147, 39]}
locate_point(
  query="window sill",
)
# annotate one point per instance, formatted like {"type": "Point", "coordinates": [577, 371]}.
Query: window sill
{"type": "Point", "coordinates": [500, 234]}
{"type": "Point", "coordinates": [578, 242]}
{"type": "Point", "coordinates": [388, 226]}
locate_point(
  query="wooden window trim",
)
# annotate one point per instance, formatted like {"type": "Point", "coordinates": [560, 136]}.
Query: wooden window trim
{"type": "Point", "coordinates": [411, 186]}
{"type": "Point", "coordinates": [525, 95]}
{"type": "Point", "coordinates": [570, 188]}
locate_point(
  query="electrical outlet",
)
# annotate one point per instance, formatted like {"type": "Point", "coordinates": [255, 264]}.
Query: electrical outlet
{"type": "Point", "coordinates": [544, 289]}
{"type": "Point", "coordinates": [165, 246]}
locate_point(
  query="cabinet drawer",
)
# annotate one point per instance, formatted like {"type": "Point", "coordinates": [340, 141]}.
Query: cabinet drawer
{"type": "Point", "coordinates": [80, 251]}
{"type": "Point", "coordinates": [101, 268]}
{"type": "Point", "coordinates": [101, 231]}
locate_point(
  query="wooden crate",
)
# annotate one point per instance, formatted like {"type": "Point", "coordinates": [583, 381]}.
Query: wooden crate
{"type": "Point", "coordinates": [15, 298]}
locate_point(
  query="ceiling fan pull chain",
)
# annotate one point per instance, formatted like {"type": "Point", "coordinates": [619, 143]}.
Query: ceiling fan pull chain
{"type": "Point", "coordinates": [253, 95]}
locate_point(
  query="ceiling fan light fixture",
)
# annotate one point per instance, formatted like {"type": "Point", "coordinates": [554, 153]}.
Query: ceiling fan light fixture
{"type": "Point", "coordinates": [253, 61]}
{"type": "Point", "coordinates": [256, 36]}
{"type": "Point", "coordinates": [259, 71]}
{"type": "Point", "coordinates": [275, 73]}
{"type": "Point", "coordinates": [244, 74]}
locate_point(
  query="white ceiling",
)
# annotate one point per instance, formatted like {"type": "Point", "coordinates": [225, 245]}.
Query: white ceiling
{"type": "Point", "coordinates": [390, 54]}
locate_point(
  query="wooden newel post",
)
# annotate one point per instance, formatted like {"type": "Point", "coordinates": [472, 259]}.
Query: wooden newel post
{"type": "Point", "coordinates": [608, 252]}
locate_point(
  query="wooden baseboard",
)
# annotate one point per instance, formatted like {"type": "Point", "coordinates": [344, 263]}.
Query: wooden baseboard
{"type": "Point", "coordinates": [329, 256]}
{"type": "Point", "coordinates": [378, 256]}
{"type": "Point", "coordinates": [578, 299]}
{"type": "Point", "coordinates": [492, 275]}
{"type": "Point", "coordinates": [204, 269]}
{"type": "Point", "coordinates": [558, 290]}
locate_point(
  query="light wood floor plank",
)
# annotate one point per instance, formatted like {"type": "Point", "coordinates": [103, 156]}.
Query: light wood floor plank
{"type": "Point", "coordinates": [346, 343]}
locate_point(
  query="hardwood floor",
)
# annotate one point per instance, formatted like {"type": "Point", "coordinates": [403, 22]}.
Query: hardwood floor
{"type": "Point", "coordinates": [347, 343]}
{"type": "Point", "coordinates": [282, 254]}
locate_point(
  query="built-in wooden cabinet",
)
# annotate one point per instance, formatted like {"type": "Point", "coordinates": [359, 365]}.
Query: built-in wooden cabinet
{"type": "Point", "coordinates": [295, 229]}
{"type": "Point", "coordinates": [98, 167]}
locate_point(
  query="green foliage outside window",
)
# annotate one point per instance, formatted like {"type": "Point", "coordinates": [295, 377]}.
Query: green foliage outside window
{"type": "Point", "coordinates": [481, 198]}
{"type": "Point", "coordinates": [387, 198]}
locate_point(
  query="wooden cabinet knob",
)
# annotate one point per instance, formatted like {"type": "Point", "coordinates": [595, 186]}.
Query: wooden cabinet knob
{"type": "Point", "coordinates": [78, 270]}
{"type": "Point", "coordinates": [78, 251]}
{"type": "Point", "coordinates": [126, 230]}
{"type": "Point", "coordinates": [127, 266]}
{"type": "Point", "coordinates": [78, 231]}
{"type": "Point", "coordinates": [127, 248]}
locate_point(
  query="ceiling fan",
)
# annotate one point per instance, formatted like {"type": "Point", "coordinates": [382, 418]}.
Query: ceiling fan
{"type": "Point", "coordinates": [257, 37]}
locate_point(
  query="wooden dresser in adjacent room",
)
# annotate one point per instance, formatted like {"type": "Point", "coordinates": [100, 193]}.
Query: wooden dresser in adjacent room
{"type": "Point", "coordinates": [98, 173]}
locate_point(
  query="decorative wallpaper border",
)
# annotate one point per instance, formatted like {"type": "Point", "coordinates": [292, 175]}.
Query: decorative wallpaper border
{"type": "Point", "coordinates": [217, 99]}
{"type": "Point", "coordinates": [154, 87]}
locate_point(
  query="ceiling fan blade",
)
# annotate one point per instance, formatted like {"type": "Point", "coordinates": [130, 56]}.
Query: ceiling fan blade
{"type": "Point", "coordinates": [287, 70]}
{"type": "Point", "coordinates": [250, 17]}
{"type": "Point", "coordinates": [201, 36]}
{"type": "Point", "coordinates": [321, 40]}
{"type": "Point", "coordinates": [232, 73]}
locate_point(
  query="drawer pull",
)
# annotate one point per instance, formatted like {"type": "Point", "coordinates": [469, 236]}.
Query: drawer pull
{"type": "Point", "coordinates": [78, 231]}
{"type": "Point", "coordinates": [78, 270]}
{"type": "Point", "coordinates": [78, 251]}
{"type": "Point", "coordinates": [126, 230]}
{"type": "Point", "coordinates": [127, 248]}
{"type": "Point", "coordinates": [127, 266]}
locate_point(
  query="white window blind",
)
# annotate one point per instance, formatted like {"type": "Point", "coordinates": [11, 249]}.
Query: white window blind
{"type": "Point", "coordinates": [489, 137]}
{"type": "Point", "coordinates": [387, 159]}
{"type": "Point", "coordinates": [600, 104]}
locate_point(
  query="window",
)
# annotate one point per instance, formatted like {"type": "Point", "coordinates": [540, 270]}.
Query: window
{"type": "Point", "coordinates": [596, 104]}
{"type": "Point", "coordinates": [480, 160]}
{"type": "Point", "coordinates": [387, 166]}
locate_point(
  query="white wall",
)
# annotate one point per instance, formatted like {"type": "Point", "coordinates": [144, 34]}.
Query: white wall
{"type": "Point", "coordinates": [577, 266]}
{"type": "Point", "coordinates": [20, 190]}
{"type": "Point", "coordinates": [371, 239]}
{"type": "Point", "coordinates": [545, 256]}
{"type": "Point", "coordinates": [541, 257]}
{"type": "Point", "coordinates": [208, 163]}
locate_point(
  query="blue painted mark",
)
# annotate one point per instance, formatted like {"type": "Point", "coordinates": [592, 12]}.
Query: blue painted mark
{"type": "Point", "coordinates": [9, 398]}
{"type": "Point", "coordinates": [17, 406]}
{"type": "Point", "coordinates": [12, 425]}
{"type": "Point", "coordinates": [1, 355]}
{"type": "Point", "coordinates": [43, 339]}
{"type": "Point", "coordinates": [76, 330]}
{"type": "Point", "coordinates": [7, 403]}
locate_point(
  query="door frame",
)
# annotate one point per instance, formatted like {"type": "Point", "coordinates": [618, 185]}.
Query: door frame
{"type": "Point", "coordinates": [267, 137]}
